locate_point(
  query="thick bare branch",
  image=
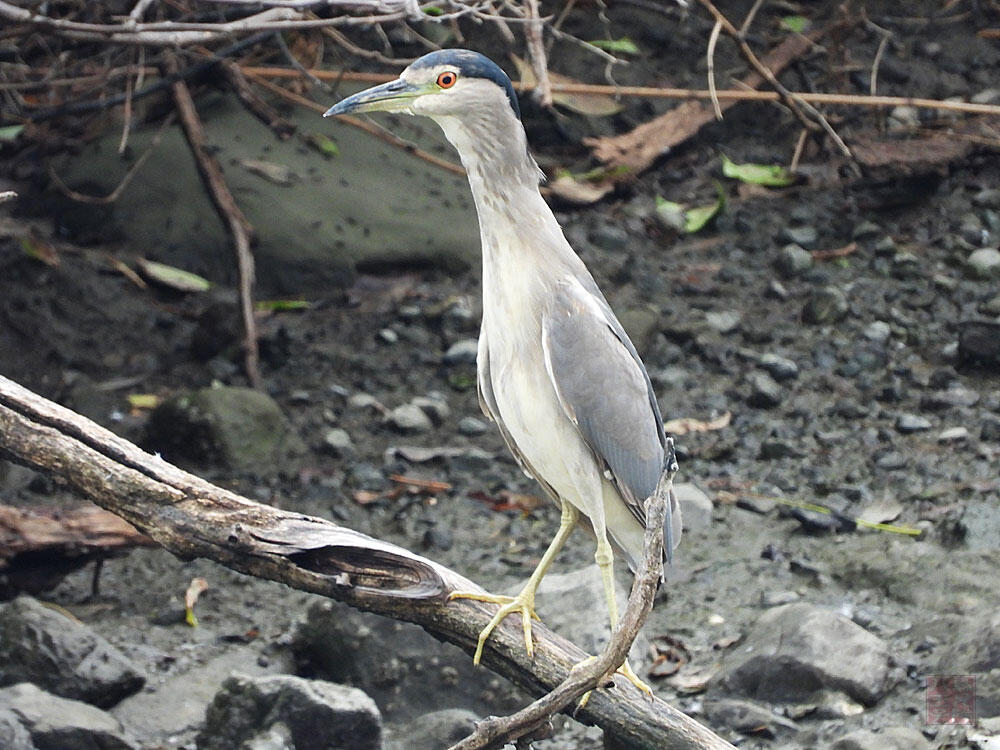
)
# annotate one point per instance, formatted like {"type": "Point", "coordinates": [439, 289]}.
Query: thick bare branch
{"type": "Point", "coordinates": [193, 518]}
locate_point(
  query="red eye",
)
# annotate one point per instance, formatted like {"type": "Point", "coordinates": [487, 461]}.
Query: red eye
{"type": "Point", "coordinates": [447, 79]}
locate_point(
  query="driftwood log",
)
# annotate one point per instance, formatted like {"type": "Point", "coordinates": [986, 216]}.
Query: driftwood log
{"type": "Point", "coordinates": [193, 518]}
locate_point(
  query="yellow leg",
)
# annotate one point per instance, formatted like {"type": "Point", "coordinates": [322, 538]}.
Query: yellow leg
{"type": "Point", "coordinates": [605, 561]}
{"type": "Point", "coordinates": [524, 602]}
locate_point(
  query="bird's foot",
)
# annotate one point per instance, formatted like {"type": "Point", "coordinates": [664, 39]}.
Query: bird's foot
{"type": "Point", "coordinates": [625, 670]}
{"type": "Point", "coordinates": [523, 603]}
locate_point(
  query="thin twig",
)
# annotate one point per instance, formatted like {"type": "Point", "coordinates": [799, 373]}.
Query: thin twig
{"type": "Point", "coordinates": [873, 82]}
{"type": "Point", "coordinates": [748, 21]}
{"type": "Point", "coordinates": [590, 674]}
{"type": "Point", "coordinates": [239, 227]}
{"type": "Point", "coordinates": [536, 51]}
{"type": "Point", "coordinates": [710, 60]}
{"type": "Point", "coordinates": [800, 145]}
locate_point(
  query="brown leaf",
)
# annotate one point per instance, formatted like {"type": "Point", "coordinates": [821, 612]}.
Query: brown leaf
{"type": "Point", "coordinates": [579, 192]}
{"type": "Point", "coordinates": [684, 425]}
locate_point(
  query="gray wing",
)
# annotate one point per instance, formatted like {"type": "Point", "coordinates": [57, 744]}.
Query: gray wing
{"type": "Point", "coordinates": [604, 389]}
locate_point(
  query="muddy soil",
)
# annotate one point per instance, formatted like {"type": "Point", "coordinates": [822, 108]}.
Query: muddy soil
{"type": "Point", "coordinates": [842, 371]}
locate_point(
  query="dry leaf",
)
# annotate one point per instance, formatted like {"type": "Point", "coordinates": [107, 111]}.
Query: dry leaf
{"type": "Point", "coordinates": [684, 425]}
{"type": "Point", "coordinates": [579, 192]}
{"type": "Point", "coordinates": [694, 680]}
{"type": "Point", "coordinates": [279, 174]}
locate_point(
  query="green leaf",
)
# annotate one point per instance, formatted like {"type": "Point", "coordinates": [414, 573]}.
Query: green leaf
{"type": "Point", "coordinates": [143, 400]}
{"type": "Point", "coordinates": [758, 174]}
{"type": "Point", "coordinates": [10, 133]}
{"type": "Point", "coordinates": [324, 144]}
{"type": "Point", "coordinates": [622, 46]}
{"type": "Point", "coordinates": [795, 24]}
{"type": "Point", "coordinates": [175, 278]}
{"type": "Point", "coordinates": [283, 305]}
{"type": "Point", "coordinates": [433, 10]}
{"type": "Point", "coordinates": [689, 220]}
{"type": "Point", "coordinates": [697, 218]}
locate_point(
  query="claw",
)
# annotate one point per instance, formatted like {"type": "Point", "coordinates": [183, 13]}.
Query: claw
{"type": "Point", "coordinates": [523, 603]}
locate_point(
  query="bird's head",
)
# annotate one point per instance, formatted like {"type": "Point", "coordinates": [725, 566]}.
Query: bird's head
{"type": "Point", "coordinates": [445, 83]}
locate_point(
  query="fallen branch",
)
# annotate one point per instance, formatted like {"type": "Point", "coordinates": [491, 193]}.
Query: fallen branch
{"type": "Point", "coordinates": [193, 518]}
{"type": "Point", "coordinates": [40, 546]}
{"type": "Point", "coordinates": [239, 227]}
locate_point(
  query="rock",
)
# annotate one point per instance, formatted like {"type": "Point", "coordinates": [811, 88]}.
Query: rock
{"type": "Point", "coordinates": [388, 336]}
{"type": "Point", "coordinates": [723, 321]}
{"type": "Point", "coordinates": [793, 260]}
{"type": "Point", "coordinates": [409, 419]}
{"type": "Point", "coordinates": [765, 393]}
{"type": "Point", "coordinates": [239, 428]}
{"type": "Point", "coordinates": [13, 734]}
{"type": "Point", "coordinates": [865, 230]}
{"type": "Point", "coordinates": [805, 236]}
{"type": "Point", "coordinates": [338, 442]}
{"type": "Point", "coordinates": [984, 264]}
{"type": "Point", "coordinates": [878, 331]}
{"type": "Point", "coordinates": [779, 368]}
{"type": "Point", "coordinates": [772, 449]}
{"type": "Point", "coordinates": [903, 117]}
{"type": "Point", "coordinates": [562, 597]}
{"type": "Point", "coordinates": [609, 236]}
{"type": "Point", "coordinates": [796, 650]}
{"type": "Point", "coordinates": [889, 738]}
{"type": "Point", "coordinates": [472, 427]}
{"type": "Point", "coordinates": [55, 723]}
{"type": "Point", "coordinates": [949, 398]}
{"type": "Point", "coordinates": [953, 435]}
{"type": "Point", "coordinates": [362, 400]}
{"type": "Point", "coordinates": [987, 197]}
{"type": "Point", "coordinates": [462, 352]}
{"type": "Point", "coordinates": [778, 598]}
{"type": "Point", "coordinates": [979, 344]}
{"type": "Point", "coordinates": [989, 430]}
{"type": "Point", "coordinates": [746, 718]}
{"type": "Point", "coordinates": [825, 305]}
{"type": "Point", "coordinates": [434, 406]}
{"type": "Point", "coordinates": [316, 714]}
{"type": "Point", "coordinates": [696, 506]}
{"type": "Point", "coordinates": [910, 423]}
{"type": "Point", "coordinates": [891, 461]}
{"type": "Point", "coordinates": [43, 646]}
{"type": "Point", "coordinates": [435, 730]}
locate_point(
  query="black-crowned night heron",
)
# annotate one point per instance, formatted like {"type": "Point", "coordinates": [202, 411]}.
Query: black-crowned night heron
{"type": "Point", "coordinates": [557, 372]}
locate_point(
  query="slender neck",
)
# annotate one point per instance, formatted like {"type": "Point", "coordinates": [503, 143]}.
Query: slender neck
{"type": "Point", "coordinates": [504, 181]}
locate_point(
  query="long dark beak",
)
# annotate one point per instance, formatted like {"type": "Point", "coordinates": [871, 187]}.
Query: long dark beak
{"type": "Point", "coordinates": [394, 96]}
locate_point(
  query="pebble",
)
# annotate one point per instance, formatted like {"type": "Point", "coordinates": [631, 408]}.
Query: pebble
{"type": "Point", "coordinates": [987, 197]}
{"type": "Point", "coordinates": [983, 264]}
{"type": "Point", "coordinates": [780, 368]}
{"type": "Point", "coordinates": [904, 117]}
{"type": "Point", "coordinates": [910, 423]}
{"type": "Point", "coordinates": [723, 321]}
{"type": "Point", "coordinates": [388, 336]}
{"type": "Point", "coordinates": [365, 476]}
{"type": "Point", "coordinates": [409, 418]}
{"type": "Point", "coordinates": [891, 461]}
{"type": "Point", "coordinates": [765, 392]}
{"type": "Point", "coordinates": [885, 247]}
{"type": "Point", "coordinates": [434, 406]}
{"type": "Point", "coordinates": [804, 235]}
{"type": "Point", "coordinates": [953, 435]}
{"type": "Point", "coordinates": [979, 344]}
{"type": "Point", "coordinates": [949, 398]}
{"type": "Point", "coordinates": [472, 427]}
{"type": "Point", "coordinates": [989, 430]}
{"type": "Point", "coordinates": [362, 400]}
{"type": "Point", "coordinates": [990, 307]}
{"type": "Point", "coordinates": [777, 598]}
{"type": "Point", "coordinates": [338, 442]}
{"type": "Point", "coordinates": [825, 305]}
{"type": "Point", "coordinates": [793, 260]}
{"type": "Point", "coordinates": [878, 331]}
{"type": "Point", "coordinates": [609, 237]}
{"type": "Point", "coordinates": [906, 265]}
{"type": "Point", "coordinates": [865, 230]}
{"type": "Point", "coordinates": [463, 351]}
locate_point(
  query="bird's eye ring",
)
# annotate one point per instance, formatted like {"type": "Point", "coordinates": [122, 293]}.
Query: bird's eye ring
{"type": "Point", "coordinates": [447, 79]}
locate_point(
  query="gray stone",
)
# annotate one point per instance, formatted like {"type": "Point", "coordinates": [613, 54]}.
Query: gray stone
{"type": "Point", "coordinates": [13, 734]}
{"type": "Point", "coordinates": [878, 331]}
{"type": "Point", "coordinates": [780, 368]}
{"type": "Point", "coordinates": [471, 426]}
{"type": "Point", "coordinates": [435, 730]}
{"type": "Point", "coordinates": [891, 461]}
{"type": "Point", "coordinates": [388, 336]}
{"type": "Point", "coordinates": [796, 650]}
{"type": "Point", "coordinates": [55, 723]}
{"type": "Point", "coordinates": [433, 406]}
{"type": "Point", "coordinates": [979, 344]}
{"type": "Point", "coordinates": [409, 418]}
{"type": "Point", "coordinates": [889, 738]}
{"type": "Point", "coordinates": [987, 198]}
{"type": "Point", "coordinates": [338, 442]}
{"type": "Point", "coordinates": [989, 430]}
{"type": "Point", "coordinates": [956, 397]}
{"type": "Point", "coordinates": [41, 645]}
{"type": "Point", "coordinates": [991, 307]}
{"type": "Point", "coordinates": [778, 598]}
{"type": "Point", "coordinates": [562, 597]}
{"type": "Point", "coordinates": [695, 505]}
{"type": "Point", "coordinates": [984, 264]}
{"type": "Point", "coordinates": [953, 435]}
{"type": "Point", "coordinates": [903, 118]}
{"type": "Point", "coordinates": [362, 400]}
{"type": "Point", "coordinates": [746, 717]}
{"type": "Point", "coordinates": [723, 321]}
{"type": "Point", "coordinates": [909, 423]}
{"type": "Point", "coordinates": [792, 260]}
{"type": "Point", "coordinates": [462, 352]}
{"type": "Point", "coordinates": [805, 236]}
{"type": "Point", "coordinates": [825, 305]}
{"type": "Point", "coordinates": [609, 237]}
{"type": "Point", "coordinates": [315, 713]}
{"type": "Point", "coordinates": [239, 428]}
{"type": "Point", "coordinates": [865, 230]}
{"type": "Point", "coordinates": [765, 393]}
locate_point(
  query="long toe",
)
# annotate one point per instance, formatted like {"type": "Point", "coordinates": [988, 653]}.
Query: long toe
{"type": "Point", "coordinates": [632, 677]}
{"type": "Point", "coordinates": [524, 603]}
